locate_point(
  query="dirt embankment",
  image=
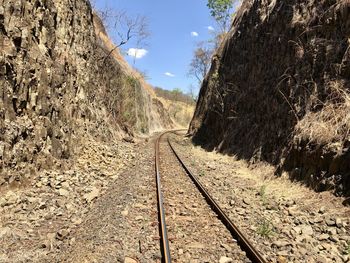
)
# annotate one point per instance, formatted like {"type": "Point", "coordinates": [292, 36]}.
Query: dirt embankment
{"type": "Point", "coordinates": [179, 106]}
{"type": "Point", "coordinates": [278, 90]}
{"type": "Point", "coordinates": [58, 84]}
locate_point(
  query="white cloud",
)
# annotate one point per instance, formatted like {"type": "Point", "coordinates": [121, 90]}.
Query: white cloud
{"type": "Point", "coordinates": [137, 52]}
{"type": "Point", "coordinates": [194, 34]}
{"type": "Point", "coordinates": [210, 28]}
{"type": "Point", "coordinates": [169, 74]}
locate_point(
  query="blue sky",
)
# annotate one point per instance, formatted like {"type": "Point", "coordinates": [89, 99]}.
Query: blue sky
{"type": "Point", "coordinates": [171, 44]}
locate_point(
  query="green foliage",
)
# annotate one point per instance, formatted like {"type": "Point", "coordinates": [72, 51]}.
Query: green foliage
{"type": "Point", "coordinates": [129, 100]}
{"type": "Point", "coordinates": [218, 8]}
{"type": "Point", "coordinates": [126, 115]}
{"type": "Point", "coordinates": [265, 229]}
{"type": "Point", "coordinates": [262, 193]}
{"type": "Point", "coordinates": [176, 91]}
{"type": "Point", "coordinates": [220, 11]}
{"type": "Point", "coordinates": [131, 80]}
{"type": "Point", "coordinates": [174, 95]}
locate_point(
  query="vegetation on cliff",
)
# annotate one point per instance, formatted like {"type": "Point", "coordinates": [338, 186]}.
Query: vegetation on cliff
{"type": "Point", "coordinates": [62, 78]}
{"type": "Point", "coordinates": [278, 90]}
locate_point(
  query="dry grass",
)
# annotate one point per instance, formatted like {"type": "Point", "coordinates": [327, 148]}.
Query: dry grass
{"type": "Point", "coordinates": [271, 198]}
{"type": "Point", "coordinates": [266, 12]}
{"type": "Point", "coordinates": [180, 113]}
{"type": "Point", "coordinates": [329, 126]}
{"type": "Point", "coordinates": [300, 18]}
{"type": "Point", "coordinates": [261, 175]}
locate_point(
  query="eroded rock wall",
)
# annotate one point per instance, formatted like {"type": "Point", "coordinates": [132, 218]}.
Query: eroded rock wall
{"type": "Point", "coordinates": [282, 62]}
{"type": "Point", "coordinates": [58, 83]}
{"type": "Point", "coordinates": [45, 47]}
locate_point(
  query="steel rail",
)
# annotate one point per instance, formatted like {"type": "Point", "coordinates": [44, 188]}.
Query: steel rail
{"type": "Point", "coordinates": [242, 241]}
{"type": "Point", "coordinates": [165, 250]}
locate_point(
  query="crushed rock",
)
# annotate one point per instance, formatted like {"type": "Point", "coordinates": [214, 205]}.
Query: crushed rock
{"type": "Point", "coordinates": [37, 219]}
{"type": "Point", "coordinates": [286, 221]}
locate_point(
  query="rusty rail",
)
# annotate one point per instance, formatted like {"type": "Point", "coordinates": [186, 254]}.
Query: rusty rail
{"type": "Point", "coordinates": [165, 250]}
{"type": "Point", "coordinates": [242, 241]}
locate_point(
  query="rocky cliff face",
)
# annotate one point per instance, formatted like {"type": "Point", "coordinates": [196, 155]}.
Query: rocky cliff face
{"type": "Point", "coordinates": [278, 90]}
{"type": "Point", "coordinates": [57, 84]}
{"type": "Point", "coordinates": [133, 100]}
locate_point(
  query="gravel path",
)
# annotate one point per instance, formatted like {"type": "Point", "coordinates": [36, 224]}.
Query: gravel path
{"type": "Point", "coordinates": [194, 231]}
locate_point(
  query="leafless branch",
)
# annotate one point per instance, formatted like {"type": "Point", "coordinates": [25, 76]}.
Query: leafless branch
{"type": "Point", "coordinates": [200, 63]}
{"type": "Point", "coordinates": [125, 28]}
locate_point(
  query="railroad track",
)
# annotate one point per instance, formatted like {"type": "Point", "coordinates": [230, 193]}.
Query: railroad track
{"type": "Point", "coordinates": [237, 235]}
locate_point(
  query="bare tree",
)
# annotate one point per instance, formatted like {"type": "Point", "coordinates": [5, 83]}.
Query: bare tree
{"type": "Point", "coordinates": [124, 28]}
{"type": "Point", "coordinates": [192, 92]}
{"type": "Point", "coordinates": [131, 27]}
{"type": "Point", "coordinates": [200, 62]}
